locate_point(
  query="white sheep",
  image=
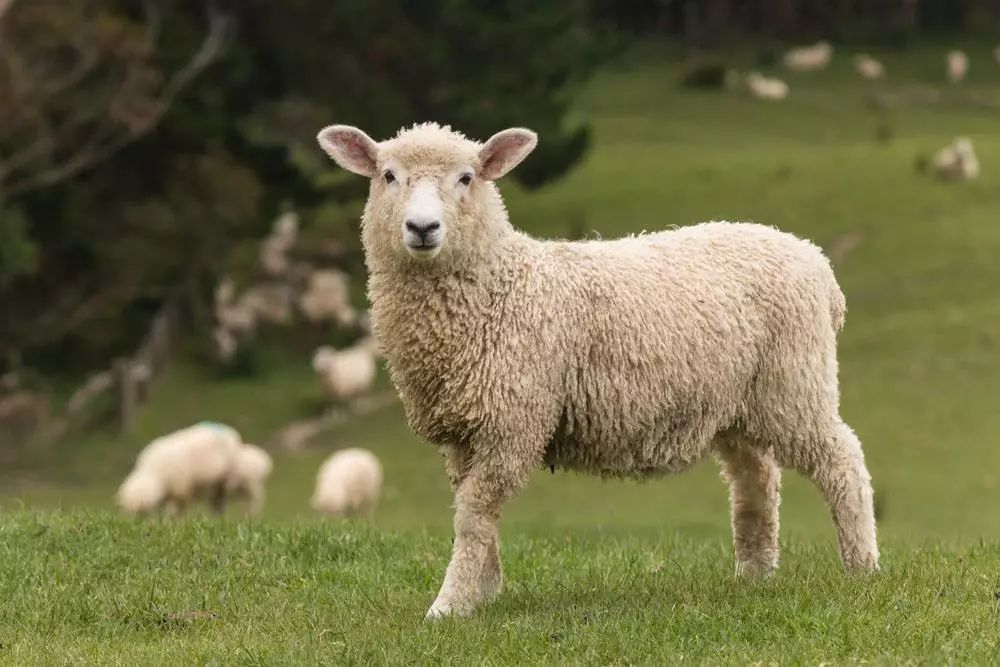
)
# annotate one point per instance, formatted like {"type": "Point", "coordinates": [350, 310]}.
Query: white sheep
{"type": "Point", "coordinates": [276, 246]}
{"type": "Point", "coordinates": [327, 297]}
{"type": "Point", "coordinates": [270, 302]}
{"type": "Point", "coordinates": [189, 464]}
{"type": "Point", "coordinates": [766, 88]}
{"type": "Point", "coordinates": [957, 66]}
{"type": "Point", "coordinates": [249, 475]}
{"type": "Point", "coordinates": [957, 161]}
{"type": "Point", "coordinates": [207, 462]}
{"type": "Point", "coordinates": [348, 484]}
{"type": "Point", "coordinates": [631, 357]}
{"type": "Point", "coordinates": [868, 67]}
{"type": "Point", "coordinates": [236, 316]}
{"type": "Point", "coordinates": [809, 58]}
{"type": "Point", "coordinates": [348, 373]}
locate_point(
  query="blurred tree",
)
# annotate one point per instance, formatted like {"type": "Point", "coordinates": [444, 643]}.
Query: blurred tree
{"type": "Point", "coordinates": [705, 23]}
{"type": "Point", "coordinates": [78, 84]}
{"type": "Point", "coordinates": [141, 142]}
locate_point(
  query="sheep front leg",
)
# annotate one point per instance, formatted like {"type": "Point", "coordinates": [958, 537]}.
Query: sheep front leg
{"type": "Point", "coordinates": [457, 460]}
{"type": "Point", "coordinates": [474, 574]}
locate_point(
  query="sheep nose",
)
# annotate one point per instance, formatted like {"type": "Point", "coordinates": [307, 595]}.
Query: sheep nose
{"type": "Point", "coordinates": [422, 229]}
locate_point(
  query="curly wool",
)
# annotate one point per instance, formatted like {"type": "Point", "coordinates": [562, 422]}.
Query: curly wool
{"type": "Point", "coordinates": [630, 357]}
{"type": "Point", "coordinates": [619, 357]}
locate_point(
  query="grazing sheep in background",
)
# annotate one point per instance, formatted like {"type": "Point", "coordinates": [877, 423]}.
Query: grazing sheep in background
{"type": "Point", "coordinates": [275, 248]}
{"type": "Point", "coordinates": [766, 88]}
{"type": "Point", "coordinates": [957, 66]}
{"type": "Point", "coordinates": [633, 357]}
{"type": "Point", "coordinates": [176, 469]}
{"type": "Point", "coordinates": [809, 58]}
{"type": "Point", "coordinates": [328, 297]}
{"type": "Point", "coordinates": [868, 67]}
{"type": "Point", "coordinates": [348, 484]}
{"type": "Point", "coordinates": [236, 316]}
{"type": "Point", "coordinates": [269, 302]}
{"type": "Point", "coordinates": [248, 478]}
{"type": "Point", "coordinates": [957, 162]}
{"type": "Point", "coordinates": [996, 55]}
{"type": "Point", "coordinates": [345, 374]}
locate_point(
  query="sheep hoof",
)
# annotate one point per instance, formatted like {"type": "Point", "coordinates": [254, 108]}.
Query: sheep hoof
{"type": "Point", "coordinates": [754, 570]}
{"type": "Point", "coordinates": [438, 611]}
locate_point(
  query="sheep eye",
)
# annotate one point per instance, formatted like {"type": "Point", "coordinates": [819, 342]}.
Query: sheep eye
{"type": "Point", "coordinates": [389, 176]}
{"type": "Point", "coordinates": [465, 179]}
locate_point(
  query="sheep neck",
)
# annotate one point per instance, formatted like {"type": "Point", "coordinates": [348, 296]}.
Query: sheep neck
{"type": "Point", "coordinates": [434, 322]}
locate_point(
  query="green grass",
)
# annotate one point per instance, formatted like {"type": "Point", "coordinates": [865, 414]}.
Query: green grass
{"type": "Point", "coordinates": [920, 377]}
{"type": "Point", "coordinates": [89, 587]}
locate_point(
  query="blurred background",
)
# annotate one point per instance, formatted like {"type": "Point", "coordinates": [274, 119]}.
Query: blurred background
{"type": "Point", "coordinates": [174, 246]}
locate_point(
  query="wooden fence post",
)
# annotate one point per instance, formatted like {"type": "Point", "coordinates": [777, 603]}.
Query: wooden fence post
{"type": "Point", "coordinates": [126, 394]}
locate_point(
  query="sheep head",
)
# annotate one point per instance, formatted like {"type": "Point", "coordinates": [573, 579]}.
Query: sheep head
{"type": "Point", "coordinates": [432, 200]}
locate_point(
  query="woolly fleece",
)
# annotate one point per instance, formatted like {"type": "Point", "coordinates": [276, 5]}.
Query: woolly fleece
{"type": "Point", "coordinates": [630, 357]}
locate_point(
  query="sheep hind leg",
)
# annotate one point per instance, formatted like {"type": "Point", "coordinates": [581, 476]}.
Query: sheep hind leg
{"type": "Point", "coordinates": [754, 480]}
{"type": "Point", "coordinates": [836, 466]}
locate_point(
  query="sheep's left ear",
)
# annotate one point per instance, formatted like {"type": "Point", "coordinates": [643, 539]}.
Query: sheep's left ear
{"type": "Point", "coordinates": [504, 151]}
{"type": "Point", "coordinates": [351, 148]}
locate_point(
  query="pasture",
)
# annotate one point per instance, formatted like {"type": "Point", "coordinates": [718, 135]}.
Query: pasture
{"type": "Point", "coordinates": [603, 571]}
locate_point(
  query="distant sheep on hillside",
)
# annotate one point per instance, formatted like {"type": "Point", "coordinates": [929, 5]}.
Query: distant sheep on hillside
{"type": "Point", "coordinates": [809, 58]}
{"type": "Point", "coordinates": [868, 67]}
{"type": "Point", "coordinates": [957, 162]}
{"type": "Point", "coordinates": [957, 66]}
{"type": "Point", "coordinates": [766, 88]}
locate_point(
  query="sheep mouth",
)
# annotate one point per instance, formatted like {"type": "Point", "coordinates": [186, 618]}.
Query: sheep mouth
{"type": "Point", "coordinates": [423, 249]}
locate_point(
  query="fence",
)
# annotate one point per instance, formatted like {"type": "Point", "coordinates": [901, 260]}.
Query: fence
{"type": "Point", "coordinates": [130, 378]}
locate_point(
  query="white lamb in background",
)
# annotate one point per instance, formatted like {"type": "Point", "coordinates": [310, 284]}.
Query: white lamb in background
{"type": "Point", "coordinates": [248, 478]}
{"type": "Point", "coordinates": [809, 58]}
{"type": "Point", "coordinates": [348, 483]}
{"type": "Point", "coordinates": [275, 248]}
{"type": "Point", "coordinates": [629, 357]}
{"type": "Point", "coordinates": [957, 162]}
{"type": "Point", "coordinates": [766, 88]}
{"type": "Point", "coordinates": [270, 302]}
{"type": "Point", "coordinates": [345, 374]}
{"type": "Point", "coordinates": [191, 464]}
{"type": "Point", "coordinates": [236, 316]}
{"type": "Point", "coordinates": [957, 66]}
{"type": "Point", "coordinates": [868, 67]}
{"type": "Point", "coordinates": [327, 297]}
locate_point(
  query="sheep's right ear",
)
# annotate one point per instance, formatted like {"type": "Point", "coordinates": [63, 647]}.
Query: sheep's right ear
{"type": "Point", "coordinates": [504, 151]}
{"type": "Point", "coordinates": [349, 147]}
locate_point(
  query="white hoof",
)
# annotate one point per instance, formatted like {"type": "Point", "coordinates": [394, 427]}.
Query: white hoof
{"type": "Point", "coordinates": [437, 611]}
{"type": "Point", "coordinates": [753, 569]}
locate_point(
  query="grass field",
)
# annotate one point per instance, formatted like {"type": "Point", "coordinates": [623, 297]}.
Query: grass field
{"type": "Point", "coordinates": [607, 571]}
{"type": "Point", "coordinates": [81, 588]}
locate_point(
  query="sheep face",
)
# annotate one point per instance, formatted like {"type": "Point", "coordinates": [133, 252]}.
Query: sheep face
{"type": "Point", "coordinates": [431, 194]}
